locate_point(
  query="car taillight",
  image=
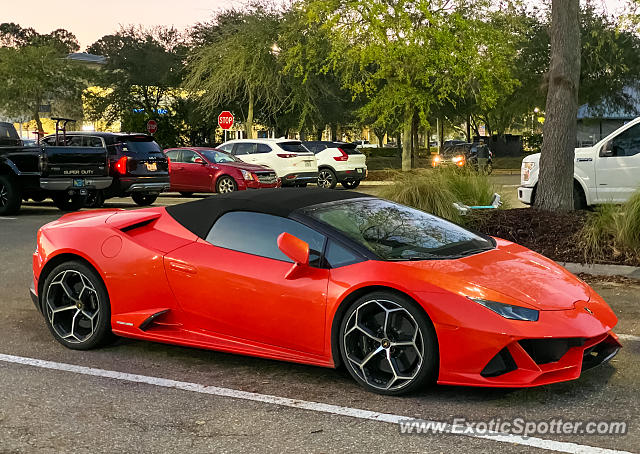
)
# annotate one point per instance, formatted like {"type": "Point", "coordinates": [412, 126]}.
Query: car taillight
{"type": "Point", "coordinates": [121, 165]}
{"type": "Point", "coordinates": [168, 164]}
{"type": "Point", "coordinates": [343, 157]}
{"type": "Point", "coordinates": [287, 155]}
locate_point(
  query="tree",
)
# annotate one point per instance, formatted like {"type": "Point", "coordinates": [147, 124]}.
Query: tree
{"type": "Point", "coordinates": [33, 75]}
{"type": "Point", "coordinates": [140, 81]}
{"type": "Point", "coordinates": [555, 187]}
{"type": "Point", "coordinates": [237, 61]}
{"type": "Point", "coordinates": [408, 57]}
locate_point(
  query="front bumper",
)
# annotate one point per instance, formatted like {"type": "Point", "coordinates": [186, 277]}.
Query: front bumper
{"type": "Point", "coordinates": [63, 184]}
{"type": "Point", "coordinates": [516, 354]}
{"type": "Point", "coordinates": [525, 195]}
{"type": "Point", "coordinates": [302, 177]}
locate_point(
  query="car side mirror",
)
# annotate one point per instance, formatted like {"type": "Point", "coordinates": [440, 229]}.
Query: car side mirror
{"type": "Point", "coordinates": [296, 249]}
{"type": "Point", "coordinates": [607, 149]}
{"type": "Point", "coordinates": [199, 161]}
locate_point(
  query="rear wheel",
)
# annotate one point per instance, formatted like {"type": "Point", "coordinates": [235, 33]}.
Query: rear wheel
{"type": "Point", "coordinates": [327, 179]}
{"type": "Point", "coordinates": [226, 184]}
{"type": "Point", "coordinates": [10, 198]}
{"type": "Point", "coordinates": [76, 306]}
{"type": "Point", "coordinates": [351, 184]}
{"type": "Point", "coordinates": [388, 344]}
{"type": "Point", "coordinates": [66, 202]}
{"type": "Point", "coordinates": [144, 199]}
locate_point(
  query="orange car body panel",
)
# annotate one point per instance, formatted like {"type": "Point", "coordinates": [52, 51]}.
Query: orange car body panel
{"type": "Point", "coordinates": [231, 301]}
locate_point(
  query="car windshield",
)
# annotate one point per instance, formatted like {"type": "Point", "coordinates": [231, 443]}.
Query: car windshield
{"type": "Point", "coordinates": [397, 232]}
{"type": "Point", "coordinates": [217, 157]}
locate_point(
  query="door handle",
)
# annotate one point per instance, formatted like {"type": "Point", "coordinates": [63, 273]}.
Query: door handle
{"type": "Point", "coordinates": [182, 267]}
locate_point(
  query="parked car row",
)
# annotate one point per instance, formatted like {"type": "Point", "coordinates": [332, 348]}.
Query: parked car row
{"type": "Point", "coordinates": [79, 168]}
{"type": "Point", "coordinates": [265, 163]}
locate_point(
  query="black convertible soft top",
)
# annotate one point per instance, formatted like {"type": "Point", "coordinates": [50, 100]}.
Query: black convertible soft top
{"type": "Point", "coordinates": [200, 215]}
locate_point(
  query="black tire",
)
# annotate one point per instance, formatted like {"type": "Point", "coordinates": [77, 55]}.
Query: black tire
{"type": "Point", "coordinates": [186, 194]}
{"type": "Point", "coordinates": [579, 199]}
{"type": "Point", "coordinates": [66, 202]}
{"type": "Point", "coordinates": [144, 200]}
{"type": "Point", "coordinates": [356, 346]}
{"type": "Point", "coordinates": [95, 199]}
{"type": "Point", "coordinates": [225, 185]}
{"type": "Point", "coordinates": [86, 324]}
{"type": "Point", "coordinates": [10, 198]}
{"type": "Point", "coordinates": [327, 178]}
{"type": "Point", "coordinates": [351, 184]}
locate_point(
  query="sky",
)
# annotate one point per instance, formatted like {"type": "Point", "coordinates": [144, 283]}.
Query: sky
{"type": "Point", "coordinates": [89, 20]}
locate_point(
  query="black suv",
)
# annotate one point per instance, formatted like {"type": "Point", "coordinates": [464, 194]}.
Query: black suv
{"type": "Point", "coordinates": [136, 163]}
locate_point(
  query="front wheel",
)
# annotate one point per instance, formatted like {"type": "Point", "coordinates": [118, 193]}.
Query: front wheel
{"type": "Point", "coordinates": [388, 344]}
{"type": "Point", "coordinates": [225, 185]}
{"type": "Point", "coordinates": [76, 306]}
{"type": "Point", "coordinates": [351, 184]}
{"type": "Point", "coordinates": [66, 202]}
{"type": "Point", "coordinates": [10, 198]}
{"type": "Point", "coordinates": [144, 199]}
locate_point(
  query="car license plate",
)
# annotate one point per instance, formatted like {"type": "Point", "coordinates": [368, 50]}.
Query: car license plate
{"type": "Point", "coordinates": [78, 182]}
{"type": "Point", "coordinates": [152, 166]}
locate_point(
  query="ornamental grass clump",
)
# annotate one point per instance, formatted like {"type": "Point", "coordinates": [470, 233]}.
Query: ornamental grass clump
{"type": "Point", "coordinates": [436, 191]}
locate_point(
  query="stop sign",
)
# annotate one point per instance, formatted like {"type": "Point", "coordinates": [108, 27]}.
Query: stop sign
{"type": "Point", "coordinates": [225, 120]}
{"type": "Point", "coordinates": [152, 126]}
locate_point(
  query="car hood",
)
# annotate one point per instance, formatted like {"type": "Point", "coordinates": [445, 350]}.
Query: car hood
{"type": "Point", "coordinates": [510, 274]}
{"type": "Point", "coordinates": [245, 166]}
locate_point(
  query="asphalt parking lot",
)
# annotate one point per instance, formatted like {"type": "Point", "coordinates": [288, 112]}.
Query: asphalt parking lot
{"type": "Point", "coordinates": [147, 397]}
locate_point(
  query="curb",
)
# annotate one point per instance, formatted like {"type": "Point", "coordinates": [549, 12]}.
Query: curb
{"type": "Point", "coordinates": [596, 269]}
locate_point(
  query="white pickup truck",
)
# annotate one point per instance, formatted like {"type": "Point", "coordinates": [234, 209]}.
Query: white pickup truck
{"type": "Point", "coordinates": [607, 172]}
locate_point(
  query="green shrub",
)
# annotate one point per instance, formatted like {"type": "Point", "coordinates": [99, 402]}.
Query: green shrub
{"type": "Point", "coordinates": [612, 230]}
{"type": "Point", "coordinates": [436, 191]}
{"type": "Point", "coordinates": [629, 234]}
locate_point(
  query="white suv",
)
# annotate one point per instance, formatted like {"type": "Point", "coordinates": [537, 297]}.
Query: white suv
{"type": "Point", "coordinates": [292, 162]}
{"type": "Point", "coordinates": [338, 162]}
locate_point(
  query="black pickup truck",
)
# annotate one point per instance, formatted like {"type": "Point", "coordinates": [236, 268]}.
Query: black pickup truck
{"type": "Point", "coordinates": [67, 174]}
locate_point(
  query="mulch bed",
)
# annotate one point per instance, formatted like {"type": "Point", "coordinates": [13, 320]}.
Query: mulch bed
{"type": "Point", "coordinates": [553, 235]}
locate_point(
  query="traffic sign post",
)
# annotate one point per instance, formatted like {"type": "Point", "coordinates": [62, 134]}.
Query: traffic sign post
{"type": "Point", "coordinates": [225, 121]}
{"type": "Point", "coordinates": [152, 126]}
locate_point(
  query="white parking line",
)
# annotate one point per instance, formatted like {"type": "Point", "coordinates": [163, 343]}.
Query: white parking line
{"type": "Point", "coordinates": [551, 445]}
{"type": "Point", "coordinates": [7, 219]}
{"type": "Point", "coordinates": [629, 337]}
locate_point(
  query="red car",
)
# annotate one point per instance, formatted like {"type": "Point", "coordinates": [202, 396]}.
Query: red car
{"type": "Point", "coordinates": [211, 170]}
{"type": "Point", "coordinates": [400, 297]}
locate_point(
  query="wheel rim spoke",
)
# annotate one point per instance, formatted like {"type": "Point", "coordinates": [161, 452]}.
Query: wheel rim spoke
{"type": "Point", "coordinates": [384, 344]}
{"type": "Point", "coordinates": [72, 306]}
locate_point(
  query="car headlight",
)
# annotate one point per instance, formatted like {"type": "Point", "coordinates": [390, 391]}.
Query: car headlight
{"type": "Point", "coordinates": [246, 175]}
{"type": "Point", "coordinates": [509, 311]}
{"type": "Point", "coordinates": [526, 169]}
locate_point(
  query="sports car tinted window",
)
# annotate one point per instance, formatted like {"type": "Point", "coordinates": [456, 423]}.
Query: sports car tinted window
{"type": "Point", "coordinates": [397, 232]}
{"type": "Point", "coordinates": [338, 256]}
{"type": "Point", "coordinates": [257, 234]}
